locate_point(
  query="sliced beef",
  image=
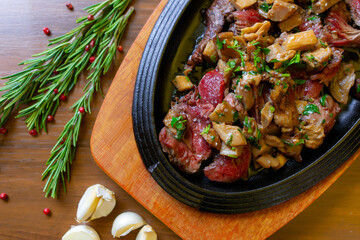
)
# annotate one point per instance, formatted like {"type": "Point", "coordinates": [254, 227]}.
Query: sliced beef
{"type": "Point", "coordinates": [328, 109]}
{"type": "Point", "coordinates": [187, 155]}
{"type": "Point", "coordinates": [226, 169]}
{"type": "Point", "coordinates": [310, 89]}
{"type": "Point", "coordinates": [354, 10]}
{"type": "Point", "coordinates": [215, 20]}
{"type": "Point", "coordinates": [312, 23]}
{"type": "Point", "coordinates": [192, 149]}
{"type": "Point", "coordinates": [243, 19]}
{"type": "Point", "coordinates": [337, 30]}
{"type": "Point", "coordinates": [212, 87]}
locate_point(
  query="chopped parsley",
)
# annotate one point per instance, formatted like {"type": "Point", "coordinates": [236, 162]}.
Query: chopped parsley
{"type": "Point", "coordinates": [265, 50]}
{"type": "Point", "coordinates": [323, 44]}
{"type": "Point", "coordinates": [179, 123]}
{"type": "Point", "coordinates": [358, 88]}
{"type": "Point", "coordinates": [272, 109]}
{"type": "Point", "coordinates": [239, 97]}
{"type": "Point", "coordinates": [312, 18]}
{"type": "Point", "coordinates": [205, 130]}
{"type": "Point", "coordinates": [285, 64]}
{"type": "Point", "coordinates": [311, 58]}
{"type": "Point", "coordinates": [254, 43]}
{"type": "Point", "coordinates": [323, 121]}
{"type": "Point", "coordinates": [261, 90]}
{"type": "Point", "coordinates": [220, 114]}
{"type": "Point", "coordinates": [285, 75]}
{"type": "Point", "coordinates": [301, 141]}
{"type": "Point", "coordinates": [220, 44]}
{"type": "Point", "coordinates": [299, 81]}
{"type": "Point", "coordinates": [323, 100]}
{"type": "Point", "coordinates": [236, 116]}
{"type": "Point", "coordinates": [274, 61]}
{"type": "Point", "coordinates": [248, 124]}
{"type": "Point", "coordinates": [231, 64]}
{"type": "Point", "coordinates": [241, 53]}
{"type": "Point", "coordinates": [212, 138]}
{"type": "Point", "coordinates": [229, 141]}
{"type": "Point", "coordinates": [247, 87]}
{"type": "Point", "coordinates": [311, 108]}
{"type": "Point", "coordinates": [331, 114]}
{"type": "Point", "coordinates": [213, 58]}
{"type": "Point", "coordinates": [265, 7]}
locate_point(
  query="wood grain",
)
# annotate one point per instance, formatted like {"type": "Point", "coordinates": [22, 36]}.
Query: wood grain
{"type": "Point", "coordinates": [335, 215]}
{"type": "Point", "coordinates": [115, 151]}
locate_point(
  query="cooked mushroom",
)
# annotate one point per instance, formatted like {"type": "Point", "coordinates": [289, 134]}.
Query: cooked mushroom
{"type": "Point", "coordinates": [182, 83]}
{"type": "Point", "coordinates": [230, 135]}
{"type": "Point", "coordinates": [281, 10]}
{"type": "Point", "coordinates": [300, 41]}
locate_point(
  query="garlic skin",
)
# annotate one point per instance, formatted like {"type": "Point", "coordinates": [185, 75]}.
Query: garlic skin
{"type": "Point", "coordinates": [146, 233]}
{"type": "Point", "coordinates": [125, 223]}
{"type": "Point", "coordinates": [81, 232]}
{"type": "Point", "coordinates": [97, 201]}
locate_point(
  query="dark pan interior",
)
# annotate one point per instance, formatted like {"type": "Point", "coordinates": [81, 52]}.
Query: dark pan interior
{"type": "Point", "coordinates": [149, 111]}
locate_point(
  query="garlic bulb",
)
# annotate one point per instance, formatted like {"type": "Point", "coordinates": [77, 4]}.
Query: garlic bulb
{"type": "Point", "coordinates": [146, 233]}
{"type": "Point", "coordinates": [81, 232]}
{"type": "Point", "coordinates": [125, 223]}
{"type": "Point", "coordinates": [97, 201]}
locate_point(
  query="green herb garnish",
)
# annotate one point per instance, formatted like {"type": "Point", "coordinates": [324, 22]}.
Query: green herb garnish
{"type": "Point", "coordinates": [265, 7]}
{"type": "Point", "coordinates": [323, 100]}
{"type": "Point", "coordinates": [311, 108]}
{"type": "Point", "coordinates": [205, 130]}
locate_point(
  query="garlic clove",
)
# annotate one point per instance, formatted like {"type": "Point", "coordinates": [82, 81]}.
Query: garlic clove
{"type": "Point", "coordinates": [125, 223]}
{"type": "Point", "coordinates": [87, 204]}
{"type": "Point", "coordinates": [146, 233]}
{"type": "Point", "coordinates": [81, 232]}
{"type": "Point", "coordinates": [106, 203]}
{"type": "Point", "coordinates": [96, 202]}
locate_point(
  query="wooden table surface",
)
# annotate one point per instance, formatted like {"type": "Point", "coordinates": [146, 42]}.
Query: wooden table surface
{"type": "Point", "coordinates": [335, 215]}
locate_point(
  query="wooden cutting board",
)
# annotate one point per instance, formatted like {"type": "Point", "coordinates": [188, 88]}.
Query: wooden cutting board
{"type": "Point", "coordinates": [114, 149]}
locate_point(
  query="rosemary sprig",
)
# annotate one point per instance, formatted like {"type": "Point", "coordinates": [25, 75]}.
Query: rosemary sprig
{"type": "Point", "coordinates": [36, 84]}
{"type": "Point", "coordinates": [109, 35]}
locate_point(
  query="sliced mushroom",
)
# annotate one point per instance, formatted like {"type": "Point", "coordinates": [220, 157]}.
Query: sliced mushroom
{"type": "Point", "coordinates": [182, 83]}
{"type": "Point", "coordinates": [281, 10]}
{"type": "Point", "coordinates": [267, 114]}
{"type": "Point", "coordinates": [321, 6]}
{"type": "Point", "coordinates": [223, 112]}
{"type": "Point", "coordinates": [210, 52]}
{"type": "Point", "coordinates": [247, 97]}
{"type": "Point", "coordinates": [241, 4]}
{"type": "Point", "coordinates": [256, 31]}
{"type": "Point", "coordinates": [341, 84]}
{"type": "Point", "coordinates": [267, 161]}
{"type": "Point", "coordinates": [232, 152]}
{"type": "Point", "coordinates": [231, 135]}
{"type": "Point", "coordinates": [212, 138]}
{"type": "Point", "coordinates": [292, 22]}
{"type": "Point", "coordinates": [318, 58]}
{"type": "Point", "coordinates": [300, 41]}
{"type": "Point", "coordinates": [264, 148]}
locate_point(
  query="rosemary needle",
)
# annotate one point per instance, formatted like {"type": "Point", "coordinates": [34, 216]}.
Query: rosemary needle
{"type": "Point", "coordinates": [52, 74]}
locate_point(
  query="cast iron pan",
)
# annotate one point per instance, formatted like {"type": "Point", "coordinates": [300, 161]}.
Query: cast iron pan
{"type": "Point", "coordinates": [171, 42]}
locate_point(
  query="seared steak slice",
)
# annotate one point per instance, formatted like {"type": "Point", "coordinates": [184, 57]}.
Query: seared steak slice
{"type": "Point", "coordinates": [337, 31]}
{"type": "Point", "coordinates": [226, 169]}
{"type": "Point", "coordinates": [215, 20]}
{"type": "Point", "coordinates": [211, 87]}
{"type": "Point", "coordinates": [354, 10]}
